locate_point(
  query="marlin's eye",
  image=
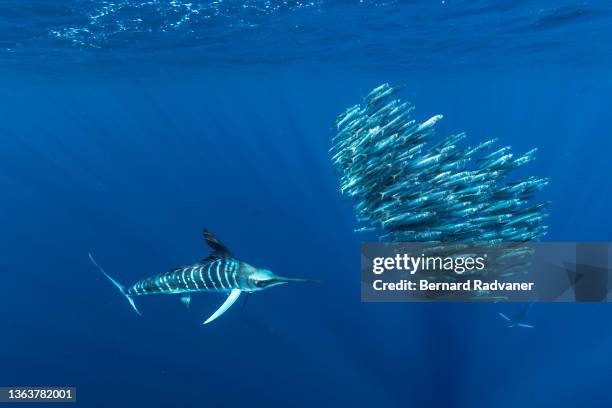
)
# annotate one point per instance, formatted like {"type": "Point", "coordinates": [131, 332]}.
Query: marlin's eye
{"type": "Point", "coordinates": [260, 283]}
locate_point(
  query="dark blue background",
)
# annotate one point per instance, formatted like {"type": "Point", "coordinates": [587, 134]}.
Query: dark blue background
{"type": "Point", "coordinates": [130, 163]}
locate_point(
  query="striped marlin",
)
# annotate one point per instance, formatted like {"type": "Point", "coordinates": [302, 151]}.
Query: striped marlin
{"type": "Point", "coordinates": [219, 272]}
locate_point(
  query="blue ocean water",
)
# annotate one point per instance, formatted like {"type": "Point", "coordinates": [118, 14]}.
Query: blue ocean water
{"type": "Point", "coordinates": [127, 126]}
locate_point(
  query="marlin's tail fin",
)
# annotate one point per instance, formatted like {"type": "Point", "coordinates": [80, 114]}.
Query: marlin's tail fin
{"type": "Point", "coordinates": [117, 284]}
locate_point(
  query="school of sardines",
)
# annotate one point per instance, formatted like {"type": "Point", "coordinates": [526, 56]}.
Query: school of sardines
{"type": "Point", "coordinates": [416, 189]}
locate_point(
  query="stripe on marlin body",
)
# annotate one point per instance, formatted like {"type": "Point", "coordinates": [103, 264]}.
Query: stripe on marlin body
{"type": "Point", "coordinates": [219, 272]}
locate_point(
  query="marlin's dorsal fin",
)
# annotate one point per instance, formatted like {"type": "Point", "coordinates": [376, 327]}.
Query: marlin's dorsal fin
{"type": "Point", "coordinates": [219, 249]}
{"type": "Point", "coordinates": [214, 256]}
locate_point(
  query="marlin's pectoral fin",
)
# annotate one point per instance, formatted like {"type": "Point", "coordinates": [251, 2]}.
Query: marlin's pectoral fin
{"type": "Point", "coordinates": [186, 300]}
{"type": "Point", "coordinates": [526, 326]}
{"type": "Point", "coordinates": [235, 293]}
